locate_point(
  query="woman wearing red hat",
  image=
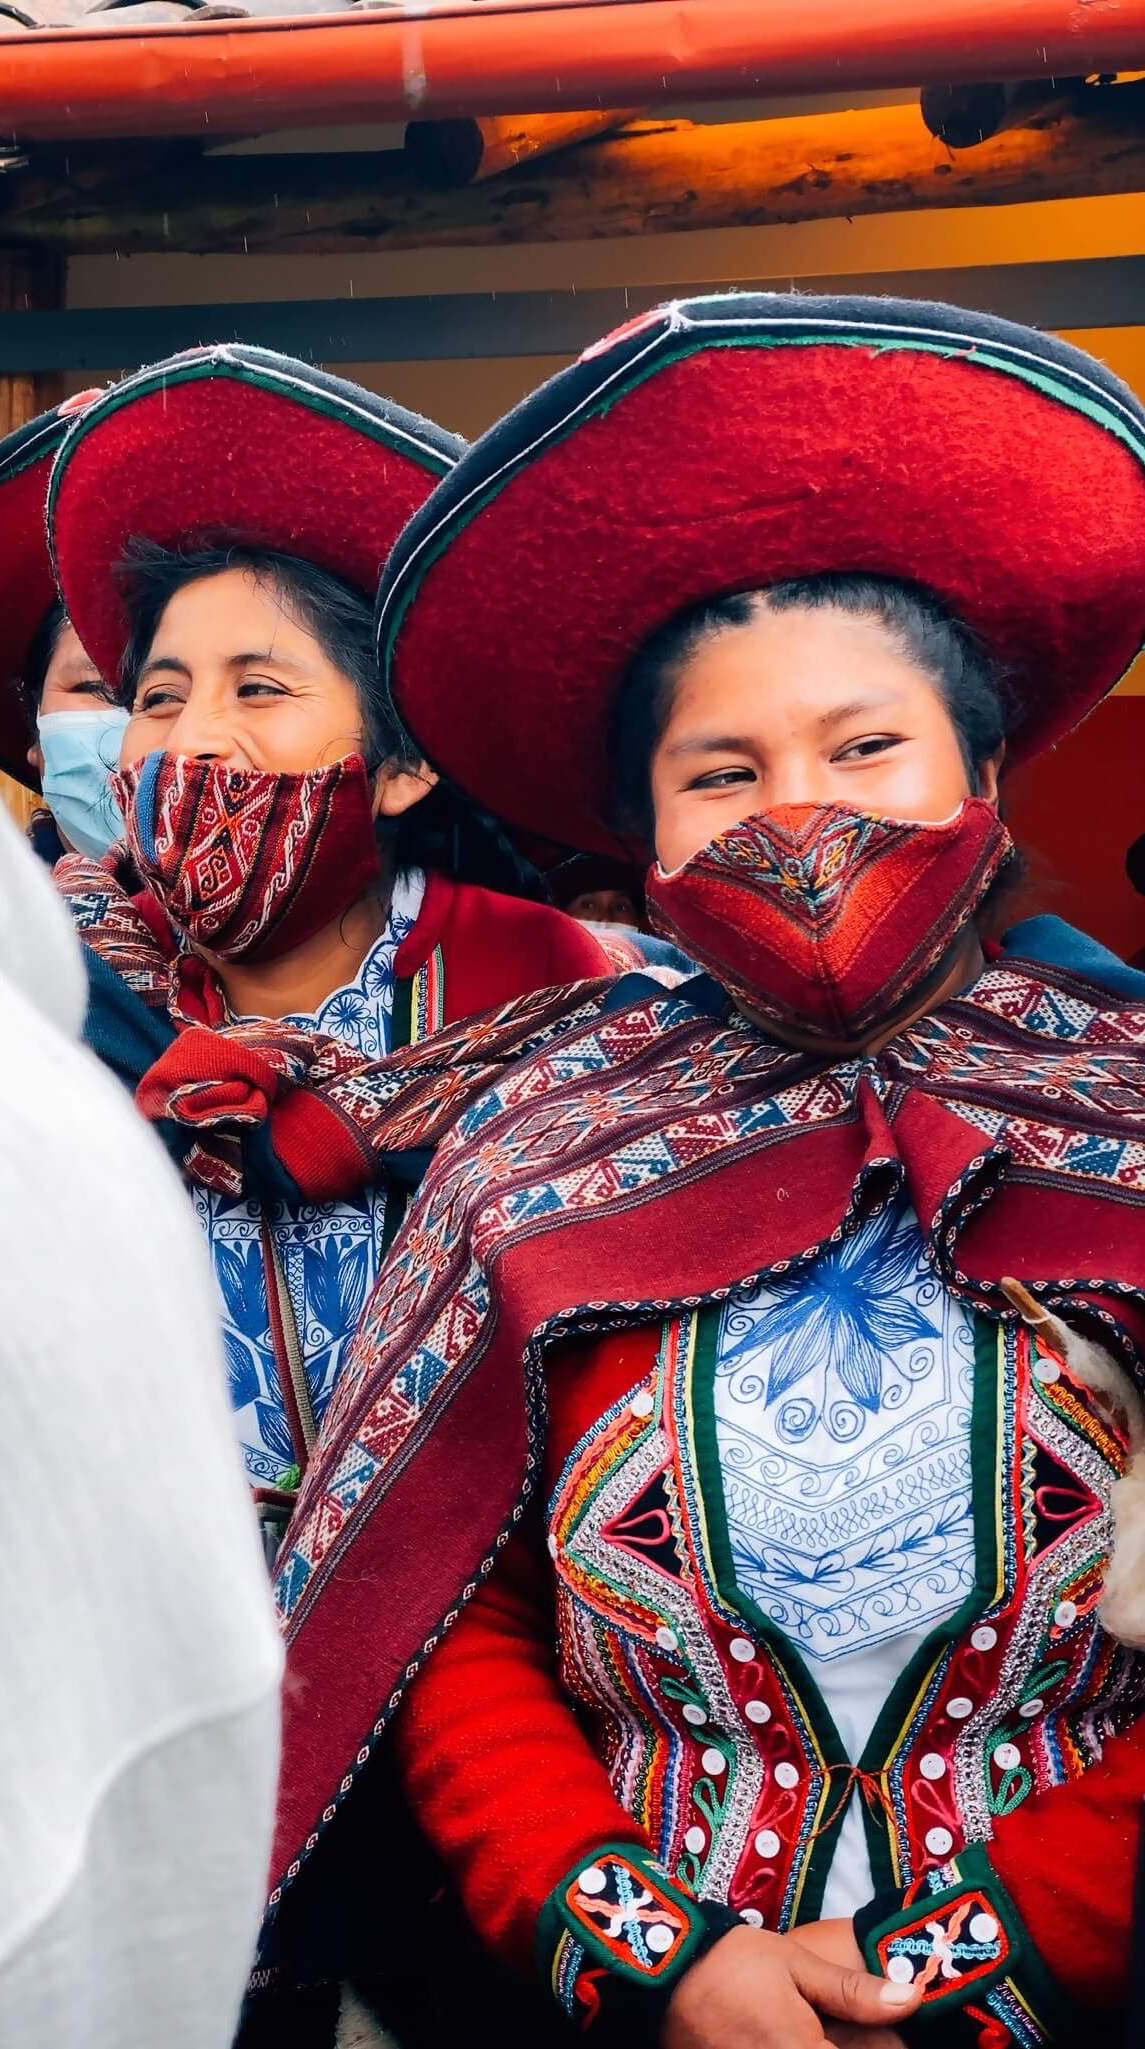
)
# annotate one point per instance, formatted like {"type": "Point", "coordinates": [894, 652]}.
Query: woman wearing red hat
{"type": "Point", "coordinates": [60, 724]}
{"type": "Point", "coordinates": [217, 522]}
{"type": "Point", "coordinates": [736, 1428]}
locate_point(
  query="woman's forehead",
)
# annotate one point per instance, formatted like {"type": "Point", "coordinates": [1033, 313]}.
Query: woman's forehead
{"type": "Point", "coordinates": [817, 667]}
{"type": "Point", "coordinates": [236, 611]}
{"type": "Point", "coordinates": [69, 658]}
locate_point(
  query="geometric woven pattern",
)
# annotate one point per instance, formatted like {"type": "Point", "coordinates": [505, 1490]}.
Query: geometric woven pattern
{"type": "Point", "coordinates": [250, 864]}
{"type": "Point", "coordinates": [825, 918]}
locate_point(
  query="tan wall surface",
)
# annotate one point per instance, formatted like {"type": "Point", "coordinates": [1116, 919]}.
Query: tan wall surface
{"type": "Point", "coordinates": [468, 395]}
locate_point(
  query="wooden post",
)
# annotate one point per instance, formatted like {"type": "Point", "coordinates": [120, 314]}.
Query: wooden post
{"type": "Point", "coordinates": [30, 280]}
{"type": "Point", "coordinates": [17, 801]}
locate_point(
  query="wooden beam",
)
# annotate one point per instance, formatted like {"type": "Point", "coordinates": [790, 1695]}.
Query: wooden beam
{"type": "Point", "coordinates": [649, 178]}
{"type": "Point", "coordinates": [449, 154]}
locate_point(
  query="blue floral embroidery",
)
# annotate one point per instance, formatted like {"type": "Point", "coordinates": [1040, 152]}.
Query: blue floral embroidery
{"type": "Point", "coordinates": [842, 1399]}
{"type": "Point", "coordinates": [845, 1319]}
{"type": "Point", "coordinates": [330, 1251]}
{"type": "Point", "coordinates": [378, 971]}
{"type": "Point", "coordinates": [348, 1016]}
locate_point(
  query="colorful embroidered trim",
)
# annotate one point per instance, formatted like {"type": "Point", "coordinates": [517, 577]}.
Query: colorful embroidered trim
{"type": "Point", "coordinates": [618, 1916]}
{"type": "Point", "coordinates": [626, 1910]}
{"type": "Point", "coordinates": [961, 1941]}
{"type": "Point", "coordinates": [945, 1946]}
{"type": "Point", "coordinates": [427, 1002]}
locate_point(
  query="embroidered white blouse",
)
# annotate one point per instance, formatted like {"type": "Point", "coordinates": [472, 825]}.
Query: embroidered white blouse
{"type": "Point", "coordinates": [330, 1251]}
{"type": "Point", "coordinates": [843, 1398]}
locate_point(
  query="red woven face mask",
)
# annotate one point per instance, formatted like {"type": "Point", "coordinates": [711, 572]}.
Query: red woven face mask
{"type": "Point", "coordinates": [825, 920]}
{"type": "Point", "coordinates": [250, 865]}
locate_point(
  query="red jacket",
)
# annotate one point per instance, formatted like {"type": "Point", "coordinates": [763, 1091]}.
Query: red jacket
{"type": "Point", "coordinates": [493, 948]}
{"type": "Point", "coordinates": [507, 1775]}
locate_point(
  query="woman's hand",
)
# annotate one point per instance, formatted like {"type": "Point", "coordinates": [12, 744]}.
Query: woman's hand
{"type": "Point", "coordinates": [844, 2035]}
{"type": "Point", "coordinates": [834, 1940]}
{"type": "Point", "coordinates": [755, 1990]}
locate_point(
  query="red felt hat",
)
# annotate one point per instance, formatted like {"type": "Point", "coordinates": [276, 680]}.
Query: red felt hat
{"type": "Point", "coordinates": [727, 443]}
{"type": "Point", "coordinates": [240, 443]}
{"type": "Point", "coordinates": [27, 585]}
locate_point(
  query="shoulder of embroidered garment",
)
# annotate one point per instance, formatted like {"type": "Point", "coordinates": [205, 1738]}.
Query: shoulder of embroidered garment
{"type": "Point", "coordinates": [1050, 1002]}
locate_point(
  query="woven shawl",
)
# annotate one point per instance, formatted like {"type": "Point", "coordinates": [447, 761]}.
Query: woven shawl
{"type": "Point", "coordinates": [648, 1158]}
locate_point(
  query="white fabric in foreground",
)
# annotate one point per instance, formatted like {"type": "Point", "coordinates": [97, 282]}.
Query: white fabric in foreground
{"type": "Point", "coordinates": [140, 1670]}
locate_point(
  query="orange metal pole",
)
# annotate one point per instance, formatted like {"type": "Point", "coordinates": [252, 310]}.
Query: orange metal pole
{"type": "Point", "coordinates": [533, 56]}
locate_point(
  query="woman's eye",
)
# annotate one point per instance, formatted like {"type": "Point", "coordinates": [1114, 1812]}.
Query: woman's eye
{"type": "Point", "coordinates": [158, 700]}
{"type": "Point", "coordinates": [94, 686]}
{"type": "Point", "coordinates": [862, 750]}
{"type": "Point", "coordinates": [722, 779]}
{"type": "Point", "coordinates": [260, 686]}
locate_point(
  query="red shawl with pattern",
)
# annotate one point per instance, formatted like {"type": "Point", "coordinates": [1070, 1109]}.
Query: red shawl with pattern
{"type": "Point", "coordinates": [657, 1153]}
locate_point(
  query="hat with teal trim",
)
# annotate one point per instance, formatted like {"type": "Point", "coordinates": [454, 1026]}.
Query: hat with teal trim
{"type": "Point", "coordinates": [237, 444]}
{"type": "Point", "coordinates": [27, 585]}
{"type": "Point", "coordinates": [724, 444]}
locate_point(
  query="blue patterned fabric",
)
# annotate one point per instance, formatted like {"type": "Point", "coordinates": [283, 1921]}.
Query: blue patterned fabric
{"type": "Point", "coordinates": [330, 1251]}
{"type": "Point", "coordinates": [842, 1399]}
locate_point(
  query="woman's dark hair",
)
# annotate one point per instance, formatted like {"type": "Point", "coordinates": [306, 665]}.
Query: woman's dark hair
{"type": "Point", "coordinates": [444, 831]}
{"type": "Point", "coordinates": [40, 655]}
{"type": "Point", "coordinates": [968, 678]}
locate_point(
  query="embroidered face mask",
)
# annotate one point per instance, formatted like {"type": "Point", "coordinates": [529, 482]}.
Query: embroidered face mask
{"type": "Point", "coordinates": [81, 753]}
{"type": "Point", "coordinates": [825, 920]}
{"type": "Point", "coordinates": [250, 865]}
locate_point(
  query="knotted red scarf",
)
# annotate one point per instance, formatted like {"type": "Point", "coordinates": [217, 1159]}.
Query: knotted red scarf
{"type": "Point", "coordinates": [333, 1117]}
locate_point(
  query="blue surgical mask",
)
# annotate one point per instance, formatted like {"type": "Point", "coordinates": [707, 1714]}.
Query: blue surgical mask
{"type": "Point", "coordinates": [81, 753]}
